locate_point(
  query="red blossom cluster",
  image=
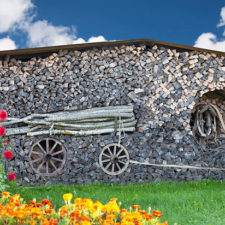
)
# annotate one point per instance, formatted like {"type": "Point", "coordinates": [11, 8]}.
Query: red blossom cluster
{"type": "Point", "coordinates": [3, 115]}
{"type": "Point", "coordinates": [7, 154]}
{"type": "Point", "coordinates": [2, 131]}
{"type": "Point", "coordinates": [11, 176]}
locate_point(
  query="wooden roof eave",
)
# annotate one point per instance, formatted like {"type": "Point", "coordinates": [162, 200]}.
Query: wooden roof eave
{"type": "Point", "coordinates": [46, 51]}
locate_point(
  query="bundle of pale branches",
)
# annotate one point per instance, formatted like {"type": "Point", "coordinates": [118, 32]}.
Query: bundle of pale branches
{"type": "Point", "coordinates": [78, 123]}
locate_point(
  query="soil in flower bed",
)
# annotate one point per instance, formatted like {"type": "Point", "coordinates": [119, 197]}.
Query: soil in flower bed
{"type": "Point", "coordinates": [194, 203]}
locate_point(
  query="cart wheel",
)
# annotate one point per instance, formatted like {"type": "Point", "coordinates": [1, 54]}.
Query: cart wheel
{"type": "Point", "coordinates": [47, 157]}
{"type": "Point", "coordinates": [205, 122]}
{"type": "Point", "coordinates": [114, 159]}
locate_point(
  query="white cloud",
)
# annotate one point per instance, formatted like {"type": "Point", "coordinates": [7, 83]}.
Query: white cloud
{"type": "Point", "coordinates": [16, 15]}
{"type": "Point", "coordinates": [79, 41]}
{"type": "Point", "coordinates": [13, 12]}
{"type": "Point", "coordinates": [42, 33]}
{"type": "Point", "coordinates": [222, 20]}
{"type": "Point", "coordinates": [210, 40]}
{"type": "Point", "coordinates": [91, 39]}
{"type": "Point", "coordinates": [7, 44]}
{"type": "Point", "coordinates": [100, 38]}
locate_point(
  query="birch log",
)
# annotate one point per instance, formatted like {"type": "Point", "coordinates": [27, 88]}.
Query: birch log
{"type": "Point", "coordinates": [79, 133]}
{"type": "Point", "coordinates": [83, 122]}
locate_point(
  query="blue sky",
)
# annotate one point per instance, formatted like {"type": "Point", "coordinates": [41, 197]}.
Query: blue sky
{"type": "Point", "coordinates": [35, 23]}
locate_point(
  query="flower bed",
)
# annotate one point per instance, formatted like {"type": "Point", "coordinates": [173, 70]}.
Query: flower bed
{"type": "Point", "coordinates": [13, 210]}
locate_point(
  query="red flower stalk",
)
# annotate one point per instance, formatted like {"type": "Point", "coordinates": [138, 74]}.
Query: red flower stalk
{"type": "Point", "coordinates": [11, 176]}
{"type": "Point", "coordinates": [3, 115]}
{"type": "Point", "coordinates": [2, 131]}
{"type": "Point", "coordinates": [8, 155]}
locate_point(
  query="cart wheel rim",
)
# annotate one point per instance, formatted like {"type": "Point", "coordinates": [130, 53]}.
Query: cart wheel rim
{"type": "Point", "coordinates": [47, 157]}
{"type": "Point", "coordinates": [205, 121]}
{"type": "Point", "coordinates": [114, 159]}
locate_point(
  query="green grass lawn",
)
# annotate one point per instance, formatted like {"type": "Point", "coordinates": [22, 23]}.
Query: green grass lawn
{"type": "Point", "coordinates": [194, 203]}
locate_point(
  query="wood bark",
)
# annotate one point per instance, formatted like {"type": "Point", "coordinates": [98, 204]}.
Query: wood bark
{"type": "Point", "coordinates": [83, 122]}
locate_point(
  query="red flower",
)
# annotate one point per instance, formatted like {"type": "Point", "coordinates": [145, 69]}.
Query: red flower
{"type": "Point", "coordinates": [136, 207]}
{"type": "Point", "coordinates": [54, 222]}
{"type": "Point", "coordinates": [46, 202]}
{"type": "Point", "coordinates": [3, 115]}
{"type": "Point", "coordinates": [157, 213]}
{"type": "Point", "coordinates": [8, 155]}
{"type": "Point", "coordinates": [2, 131]}
{"type": "Point", "coordinates": [6, 142]}
{"type": "Point", "coordinates": [11, 176]}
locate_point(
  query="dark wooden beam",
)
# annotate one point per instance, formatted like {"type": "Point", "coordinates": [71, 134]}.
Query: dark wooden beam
{"type": "Point", "coordinates": [46, 51]}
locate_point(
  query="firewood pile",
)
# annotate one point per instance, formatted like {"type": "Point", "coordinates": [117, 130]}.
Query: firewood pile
{"type": "Point", "coordinates": [78, 123]}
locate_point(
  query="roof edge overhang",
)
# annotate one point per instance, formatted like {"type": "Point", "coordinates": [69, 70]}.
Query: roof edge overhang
{"type": "Point", "coordinates": [45, 51]}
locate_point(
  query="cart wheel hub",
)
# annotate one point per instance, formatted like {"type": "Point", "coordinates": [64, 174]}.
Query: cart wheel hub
{"type": "Point", "coordinates": [48, 157]}
{"type": "Point", "coordinates": [114, 159]}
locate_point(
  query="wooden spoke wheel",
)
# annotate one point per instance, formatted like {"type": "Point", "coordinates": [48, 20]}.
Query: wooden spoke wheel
{"type": "Point", "coordinates": [47, 157]}
{"type": "Point", "coordinates": [114, 159]}
{"type": "Point", "coordinates": [205, 122]}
